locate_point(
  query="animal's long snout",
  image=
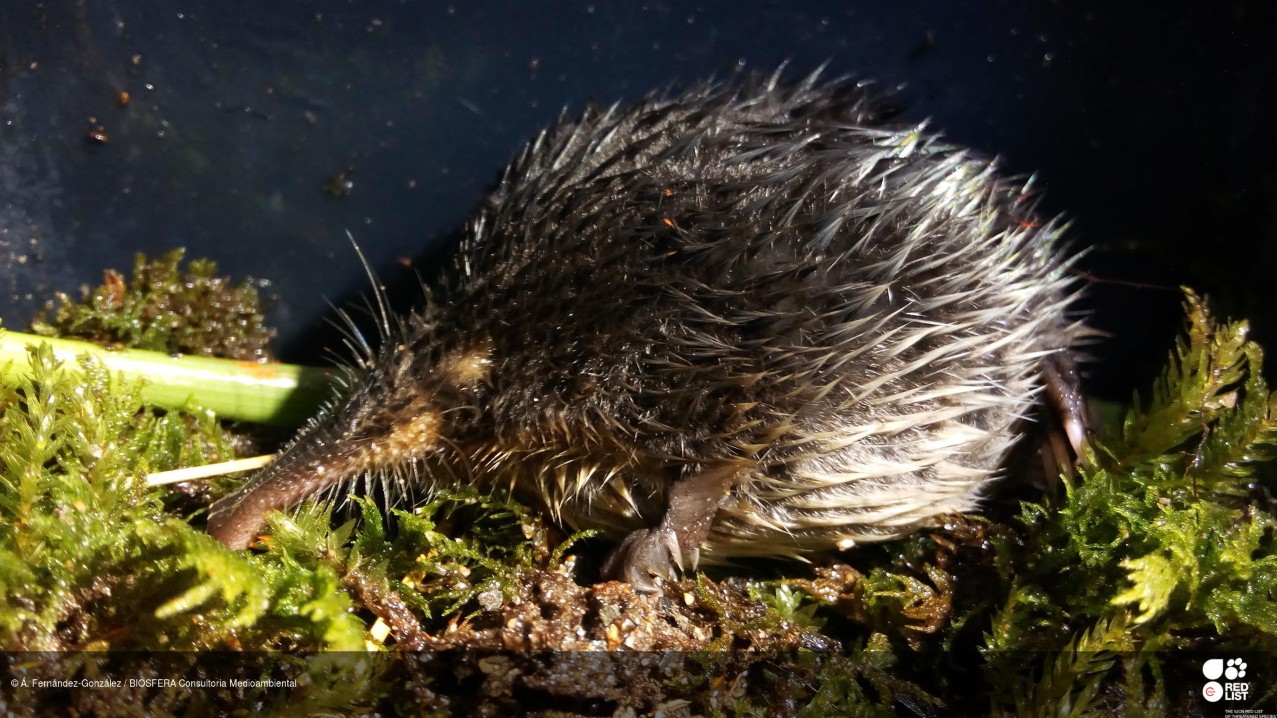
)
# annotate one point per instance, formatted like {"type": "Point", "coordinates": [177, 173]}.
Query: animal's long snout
{"type": "Point", "coordinates": [296, 475]}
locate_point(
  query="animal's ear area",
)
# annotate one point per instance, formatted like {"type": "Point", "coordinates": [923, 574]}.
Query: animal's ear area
{"type": "Point", "coordinates": [467, 367]}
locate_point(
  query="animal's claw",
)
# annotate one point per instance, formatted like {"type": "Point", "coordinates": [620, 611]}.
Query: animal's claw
{"type": "Point", "coordinates": [645, 558]}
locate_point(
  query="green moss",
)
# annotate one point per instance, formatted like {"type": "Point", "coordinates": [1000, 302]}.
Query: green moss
{"type": "Point", "coordinates": [1159, 545]}
{"type": "Point", "coordinates": [1160, 528]}
{"type": "Point", "coordinates": [88, 556]}
{"type": "Point", "coordinates": [163, 307]}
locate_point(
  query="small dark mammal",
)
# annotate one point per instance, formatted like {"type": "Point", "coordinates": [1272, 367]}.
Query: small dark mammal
{"type": "Point", "coordinates": [745, 320]}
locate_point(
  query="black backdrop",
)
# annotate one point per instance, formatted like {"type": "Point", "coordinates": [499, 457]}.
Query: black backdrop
{"type": "Point", "coordinates": [1152, 127]}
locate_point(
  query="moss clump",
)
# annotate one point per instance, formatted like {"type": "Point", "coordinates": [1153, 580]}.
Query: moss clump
{"type": "Point", "coordinates": [165, 308]}
{"type": "Point", "coordinates": [88, 557]}
{"type": "Point", "coordinates": [1164, 543]}
{"type": "Point", "coordinates": [91, 561]}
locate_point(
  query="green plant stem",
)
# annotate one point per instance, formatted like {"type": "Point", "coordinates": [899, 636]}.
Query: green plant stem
{"type": "Point", "coordinates": [281, 394]}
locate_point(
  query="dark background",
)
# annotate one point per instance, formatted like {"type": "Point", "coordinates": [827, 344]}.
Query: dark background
{"type": "Point", "coordinates": [1152, 127]}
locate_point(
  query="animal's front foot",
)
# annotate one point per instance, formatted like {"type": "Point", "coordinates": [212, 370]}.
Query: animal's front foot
{"type": "Point", "coordinates": [648, 556]}
{"type": "Point", "coordinates": [645, 558]}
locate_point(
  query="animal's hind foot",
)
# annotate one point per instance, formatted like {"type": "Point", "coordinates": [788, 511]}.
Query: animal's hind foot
{"type": "Point", "coordinates": [1064, 392]}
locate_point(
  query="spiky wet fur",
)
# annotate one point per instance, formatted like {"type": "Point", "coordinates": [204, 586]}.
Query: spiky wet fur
{"type": "Point", "coordinates": [763, 272]}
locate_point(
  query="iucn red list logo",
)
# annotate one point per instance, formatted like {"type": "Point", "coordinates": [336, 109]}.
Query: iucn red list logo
{"type": "Point", "coordinates": [1230, 671]}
